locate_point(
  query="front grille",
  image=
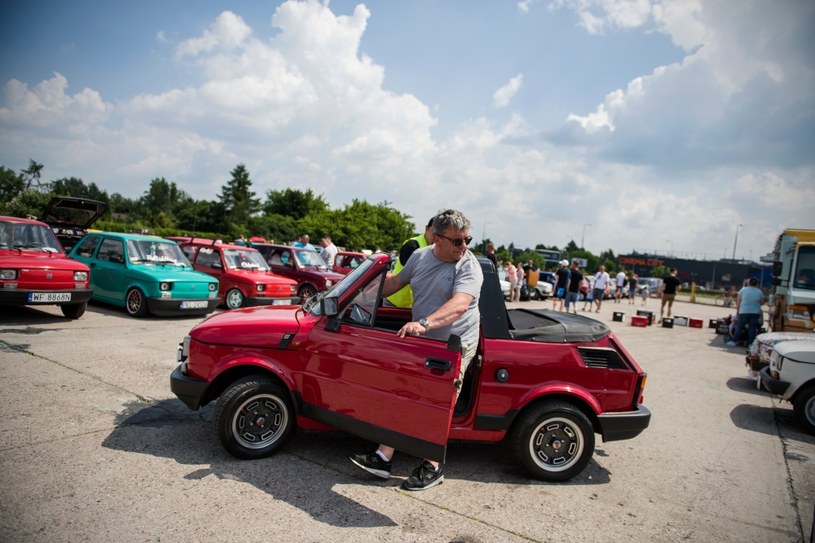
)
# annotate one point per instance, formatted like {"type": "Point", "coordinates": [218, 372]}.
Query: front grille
{"type": "Point", "coordinates": [602, 357]}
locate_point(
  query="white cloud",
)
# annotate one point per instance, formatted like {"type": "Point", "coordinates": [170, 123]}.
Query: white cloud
{"type": "Point", "coordinates": [502, 96]}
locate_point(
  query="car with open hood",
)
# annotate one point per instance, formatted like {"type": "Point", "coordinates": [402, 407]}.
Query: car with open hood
{"type": "Point", "coordinates": [145, 275]}
{"type": "Point", "coordinates": [70, 218]}
{"type": "Point", "coordinates": [34, 269]}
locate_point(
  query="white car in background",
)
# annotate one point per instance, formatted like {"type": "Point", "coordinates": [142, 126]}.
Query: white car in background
{"type": "Point", "coordinates": [791, 375]}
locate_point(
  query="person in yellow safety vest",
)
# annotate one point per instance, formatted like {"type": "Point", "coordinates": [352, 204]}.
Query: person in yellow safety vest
{"type": "Point", "coordinates": [404, 297]}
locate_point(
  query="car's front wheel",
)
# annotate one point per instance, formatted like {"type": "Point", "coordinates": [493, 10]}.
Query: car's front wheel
{"type": "Point", "coordinates": [254, 418]}
{"type": "Point", "coordinates": [306, 292]}
{"type": "Point", "coordinates": [804, 408]}
{"type": "Point", "coordinates": [234, 299]}
{"type": "Point", "coordinates": [74, 311]}
{"type": "Point", "coordinates": [553, 440]}
{"type": "Point", "coordinates": [136, 303]}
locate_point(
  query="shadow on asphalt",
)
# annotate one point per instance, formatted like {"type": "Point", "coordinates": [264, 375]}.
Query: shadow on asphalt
{"type": "Point", "coordinates": [777, 420]}
{"type": "Point", "coordinates": [297, 475]}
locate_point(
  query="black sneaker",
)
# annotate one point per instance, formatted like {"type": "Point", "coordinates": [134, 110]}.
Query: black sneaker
{"type": "Point", "coordinates": [373, 463]}
{"type": "Point", "coordinates": [424, 477]}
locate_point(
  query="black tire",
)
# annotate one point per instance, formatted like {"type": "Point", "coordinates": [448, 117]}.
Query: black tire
{"type": "Point", "coordinates": [804, 407]}
{"type": "Point", "coordinates": [233, 299]}
{"type": "Point", "coordinates": [306, 292]}
{"type": "Point", "coordinates": [254, 418]}
{"type": "Point", "coordinates": [74, 311]}
{"type": "Point", "coordinates": [534, 294]}
{"type": "Point", "coordinates": [553, 440]}
{"type": "Point", "coordinates": [136, 303]}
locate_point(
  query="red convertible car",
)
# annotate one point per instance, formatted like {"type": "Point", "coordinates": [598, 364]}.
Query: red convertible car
{"type": "Point", "coordinates": [546, 381]}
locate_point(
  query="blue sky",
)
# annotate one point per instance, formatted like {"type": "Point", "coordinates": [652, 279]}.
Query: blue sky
{"type": "Point", "coordinates": [632, 125]}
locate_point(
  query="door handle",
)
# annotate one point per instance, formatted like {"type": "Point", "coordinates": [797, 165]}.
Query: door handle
{"type": "Point", "coordinates": [437, 364]}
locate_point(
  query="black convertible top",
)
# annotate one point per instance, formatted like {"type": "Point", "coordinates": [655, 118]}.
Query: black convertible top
{"type": "Point", "coordinates": [552, 326]}
{"type": "Point", "coordinates": [543, 325]}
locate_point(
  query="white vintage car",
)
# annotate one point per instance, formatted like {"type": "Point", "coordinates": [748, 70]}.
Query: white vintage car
{"type": "Point", "coordinates": [791, 375]}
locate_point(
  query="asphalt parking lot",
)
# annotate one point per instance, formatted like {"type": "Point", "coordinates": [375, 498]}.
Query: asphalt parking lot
{"type": "Point", "coordinates": [96, 448]}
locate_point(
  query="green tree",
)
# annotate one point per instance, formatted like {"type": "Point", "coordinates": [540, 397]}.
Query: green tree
{"type": "Point", "coordinates": [293, 203]}
{"type": "Point", "coordinates": [11, 185]}
{"type": "Point", "coordinates": [32, 174]}
{"type": "Point", "coordinates": [72, 186]}
{"type": "Point", "coordinates": [161, 202]}
{"type": "Point", "coordinates": [238, 201]}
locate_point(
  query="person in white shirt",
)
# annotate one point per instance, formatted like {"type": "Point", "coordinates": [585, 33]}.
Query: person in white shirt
{"type": "Point", "coordinates": [601, 280]}
{"type": "Point", "coordinates": [618, 294]}
{"type": "Point", "coordinates": [328, 251]}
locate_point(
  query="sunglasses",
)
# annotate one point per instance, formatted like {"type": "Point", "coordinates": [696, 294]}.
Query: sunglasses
{"type": "Point", "coordinates": [457, 241]}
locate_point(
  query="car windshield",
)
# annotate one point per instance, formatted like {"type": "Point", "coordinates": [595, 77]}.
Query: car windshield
{"type": "Point", "coordinates": [805, 271]}
{"type": "Point", "coordinates": [339, 288]}
{"type": "Point", "coordinates": [15, 235]}
{"type": "Point", "coordinates": [241, 259]}
{"type": "Point", "coordinates": [311, 259]}
{"type": "Point", "coordinates": [161, 252]}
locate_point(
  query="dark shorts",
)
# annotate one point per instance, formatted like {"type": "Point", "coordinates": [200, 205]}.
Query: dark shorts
{"type": "Point", "coordinates": [668, 297]}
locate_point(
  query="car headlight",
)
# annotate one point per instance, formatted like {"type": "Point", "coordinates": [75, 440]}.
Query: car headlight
{"type": "Point", "coordinates": [261, 287]}
{"type": "Point", "coordinates": [293, 287]}
{"type": "Point", "coordinates": [213, 287]}
{"type": "Point", "coordinates": [8, 275]}
{"type": "Point", "coordinates": [164, 287]}
{"type": "Point", "coordinates": [80, 276]}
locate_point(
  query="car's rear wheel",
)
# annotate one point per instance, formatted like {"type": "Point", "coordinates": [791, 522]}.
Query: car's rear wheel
{"type": "Point", "coordinates": [306, 292]}
{"type": "Point", "coordinates": [553, 440]}
{"type": "Point", "coordinates": [804, 407]}
{"type": "Point", "coordinates": [136, 303]}
{"type": "Point", "coordinates": [254, 418]}
{"type": "Point", "coordinates": [234, 299]}
{"type": "Point", "coordinates": [74, 311]}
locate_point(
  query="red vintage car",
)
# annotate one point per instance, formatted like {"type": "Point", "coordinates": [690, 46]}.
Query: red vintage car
{"type": "Point", "coordinates": [546, 381]}
{"type": "Point", "coordinates": [348, 261]}
{"type": "Point", "coordinates": [244, 278]}
{"type": "Point", "coordinates": [35, 271]}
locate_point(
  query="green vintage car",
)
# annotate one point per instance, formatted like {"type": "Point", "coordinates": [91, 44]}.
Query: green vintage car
{"type": "Point", "coordinates": [145, 274]}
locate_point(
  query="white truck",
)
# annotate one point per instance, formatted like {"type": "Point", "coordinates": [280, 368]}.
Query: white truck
{"type": "Point", "coordinates": [792, 304]}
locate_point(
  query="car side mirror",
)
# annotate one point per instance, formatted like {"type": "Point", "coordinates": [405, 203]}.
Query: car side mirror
{"type": "Point", "coordinates": [330, 308]}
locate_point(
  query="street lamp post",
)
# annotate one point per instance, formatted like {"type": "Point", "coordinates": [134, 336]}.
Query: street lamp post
{"type": "Point", "coordinates": [735, 241]}
{"type": "Point", "coordinates": [583, 238]}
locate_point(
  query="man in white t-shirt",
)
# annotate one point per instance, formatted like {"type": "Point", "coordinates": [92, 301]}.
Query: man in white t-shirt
{"type": "Point", "coordinates": [328, 251]}
{"type": "Point", "coordinates": [601, 280]}
{"type": "Point", "coordinates": [620, 280]}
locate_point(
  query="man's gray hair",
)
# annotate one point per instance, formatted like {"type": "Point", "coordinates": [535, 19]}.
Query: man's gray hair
{"type": "Point", "coordinates": [446, 218]}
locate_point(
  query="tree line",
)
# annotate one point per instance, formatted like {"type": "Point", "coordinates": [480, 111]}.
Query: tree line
{"type": "Point", "coordinates": [282, 215]}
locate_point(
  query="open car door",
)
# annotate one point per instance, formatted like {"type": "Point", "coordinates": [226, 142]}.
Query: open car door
{"type": "Point", "coordinates": [362, 378]}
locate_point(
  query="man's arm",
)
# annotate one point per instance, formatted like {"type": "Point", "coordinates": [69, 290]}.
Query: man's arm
{"type": "Point", "coordinates": [392, 284]}
{"type": "Point", "coordinates": [446, 314]}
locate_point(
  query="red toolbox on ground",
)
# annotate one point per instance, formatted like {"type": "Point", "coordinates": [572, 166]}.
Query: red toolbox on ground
{"type": "Point", "coordinates": [639, 320]}
{"type": "Point", "coordinates": [695, 323]}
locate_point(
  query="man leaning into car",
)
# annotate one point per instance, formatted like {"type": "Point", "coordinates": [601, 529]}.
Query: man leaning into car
{"type": "Point", "coordinates": [446, 281]}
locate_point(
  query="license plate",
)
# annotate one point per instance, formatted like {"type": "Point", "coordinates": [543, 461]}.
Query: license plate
{"type": "Point", "coordinates": [49, 297]}
{"type": "Point", "coordinates": [194, 304]}
{"type": "Point", "coordinates": [281, 301]}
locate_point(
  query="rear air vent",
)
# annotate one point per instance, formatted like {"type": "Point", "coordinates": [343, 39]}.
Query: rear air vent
{"type": "Point", "coordinates": [602, 358]}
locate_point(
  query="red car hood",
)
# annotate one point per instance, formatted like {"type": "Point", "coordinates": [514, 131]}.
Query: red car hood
{"type": "Point", "coordinates": [39, 259]}
{"type": "Point", "coordinates": [264, 327]}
